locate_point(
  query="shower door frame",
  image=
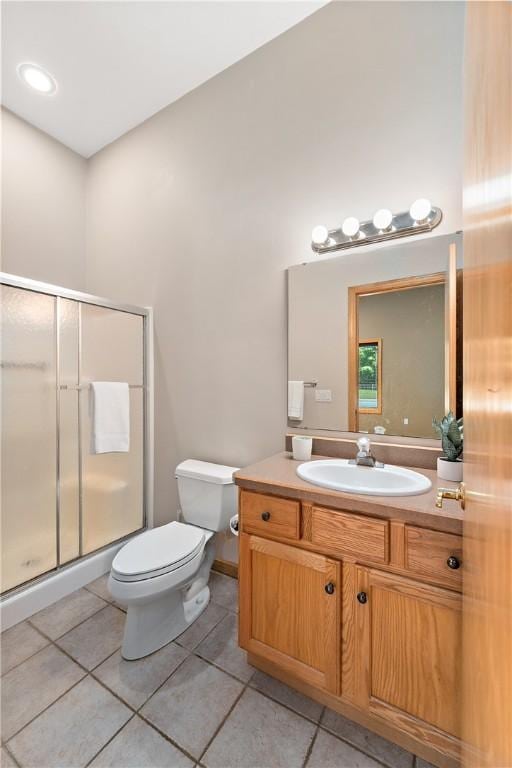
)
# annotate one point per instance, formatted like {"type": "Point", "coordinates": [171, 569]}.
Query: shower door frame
{"type": "Point", "coordinates": [58, 292]}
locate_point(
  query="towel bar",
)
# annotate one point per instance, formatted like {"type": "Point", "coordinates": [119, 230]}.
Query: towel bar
{"type": "Point", "coordinates": [85, 386]}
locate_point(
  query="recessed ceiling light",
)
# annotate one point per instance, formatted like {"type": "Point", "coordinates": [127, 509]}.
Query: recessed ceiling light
{"type": "Point", "coordinates": [37, 78]}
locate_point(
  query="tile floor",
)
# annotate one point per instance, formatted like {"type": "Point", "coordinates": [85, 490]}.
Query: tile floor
{"type": "Point", "coordinates": [70, 701]}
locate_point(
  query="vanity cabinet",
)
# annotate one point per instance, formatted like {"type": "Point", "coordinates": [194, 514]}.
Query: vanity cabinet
{"type": "Point", "coordinates": [361, 612]}
{"type": "Point", "coordinates": [290, 609]}
{"type": "Point", "coordinates": [407, 643]}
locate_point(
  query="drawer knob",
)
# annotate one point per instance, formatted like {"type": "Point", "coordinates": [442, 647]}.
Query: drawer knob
{"type": "Point", "coordinates": [329, 588]}
{"type": "Point", "coordinates": [265, 516]}
{"type": "Point", "coordinates": [453, 562]}
{"type": "Point", "coordinates": [362, 597]}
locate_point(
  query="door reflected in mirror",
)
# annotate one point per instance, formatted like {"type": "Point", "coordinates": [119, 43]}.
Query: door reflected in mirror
{"type": "Point", "coordinates": [398, 378]}
{"type": "Point", "coordinates": [378, 333]}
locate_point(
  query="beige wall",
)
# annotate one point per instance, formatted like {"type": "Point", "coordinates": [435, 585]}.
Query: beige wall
{"type": "Point", "coordinates": [411, 326]}
{"type": "Point", "coordinates": [200, 210]}
{"type": "Point", "coordinates": [43, 206]}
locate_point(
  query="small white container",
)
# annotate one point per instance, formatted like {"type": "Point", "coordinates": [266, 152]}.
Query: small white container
{"type": "Point", "coordinates": [302, 447]}
{"type": "Point", "coordinates": [450, 470]}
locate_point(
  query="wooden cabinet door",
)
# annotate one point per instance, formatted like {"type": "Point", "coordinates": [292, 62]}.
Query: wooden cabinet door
{"type": "Point", "coordinates": [289, 609]}
{"type": "Point", "coordinates": [407, 654]}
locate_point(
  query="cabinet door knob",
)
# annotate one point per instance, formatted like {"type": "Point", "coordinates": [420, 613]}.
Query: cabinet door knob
{"type": "Point", "coordinates": [329, 588]}
{"type": "Point", "coordinates": [453, 562]}
{"type": "Point", "coordinates": [362, 597]}
{"type": "Point", "coordinates": [265, 516]}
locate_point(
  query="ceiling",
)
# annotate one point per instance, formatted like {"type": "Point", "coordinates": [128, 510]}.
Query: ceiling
{"type": "Point", "coordinates": [118, 62]}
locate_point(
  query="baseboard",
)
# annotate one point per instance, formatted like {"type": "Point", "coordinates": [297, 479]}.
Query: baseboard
{"type": "Point", "coordinates": [42, 593]}
{"type": "Point", "coordinates": [224, 566]}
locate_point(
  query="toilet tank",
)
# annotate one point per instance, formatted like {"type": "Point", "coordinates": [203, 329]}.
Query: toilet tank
{"type": "Point", "coordinates": [208, 495]}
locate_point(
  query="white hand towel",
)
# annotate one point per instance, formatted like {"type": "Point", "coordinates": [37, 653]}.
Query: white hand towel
{"type": "Point", "coordinates": [110, 417]}
{"type": "Point", "coordinates": [296, 400]}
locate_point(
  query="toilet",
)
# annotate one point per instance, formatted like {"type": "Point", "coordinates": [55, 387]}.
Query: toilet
{"type": "Point", "coordinates": [162, 574]}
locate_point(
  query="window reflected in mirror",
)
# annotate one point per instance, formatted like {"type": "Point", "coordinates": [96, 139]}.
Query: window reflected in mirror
{"type": "Point", "coordinates": [370, 376]}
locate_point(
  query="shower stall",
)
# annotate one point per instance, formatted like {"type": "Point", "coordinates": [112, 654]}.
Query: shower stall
{"type": "Point", "coordinates": [60, 502]}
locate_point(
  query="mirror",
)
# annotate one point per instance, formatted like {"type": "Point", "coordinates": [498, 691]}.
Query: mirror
{"type": "Point", "coordinates": [373, 336]}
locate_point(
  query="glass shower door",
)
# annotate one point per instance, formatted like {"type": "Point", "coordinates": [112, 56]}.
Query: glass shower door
{"type": "Point", "coordinates": [59, 500]}
{"type": "Point", "coordinates": [112, 349]}
{"type": "Point", "coordinates": [29, 441]}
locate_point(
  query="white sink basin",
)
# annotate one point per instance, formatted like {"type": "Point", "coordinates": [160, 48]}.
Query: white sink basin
{"type": "Point", "coordinates": [340, 475]}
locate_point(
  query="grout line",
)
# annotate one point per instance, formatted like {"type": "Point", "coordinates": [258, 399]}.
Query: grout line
{"type": "Point", "coordinates": [109, 600]}
{"type": "Point", "coordinates": [136, 710]}
{"type": "Point", "coordinates": [221, 725]}
{"type": "Point", "coordinates": [226, 672]}
{"type": "Point", "coordinates": [110, 740]}
{"type": "Point", "coordinates": [82, 621]}
{"type": "Point", "coordinates": [44, 710]}
{"type": "Point", "coordinates": [4, 746]}
{"type": "Point", "coordinates": [363, 751]}
{"type": "Point", "coordinates": [310, 747]}
{"type": "Point", "coordinates": [96, 666]}
{"type": "Point", "coordinates": [286, 706]}
{"type": "Point", "coordinates": [167, 737]}
{"type": "Point", "coordinates": [192, 650]}
{"type": "Point", "coordinates": [4, 674]}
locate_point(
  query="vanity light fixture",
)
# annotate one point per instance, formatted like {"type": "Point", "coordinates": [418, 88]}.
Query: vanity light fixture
{"type": "Point", "coordinates": [421, 217]}
{"type": "Point", "coordinates": [320, 235]}
{"type": "Point", "coordinates": [383, 219]}
{"type": "Point", "coordinates": [37, 78]}
{"type": "Point", "coordinates": [350, 226]}
{"type": "Point", "coordinates": [420, 209]}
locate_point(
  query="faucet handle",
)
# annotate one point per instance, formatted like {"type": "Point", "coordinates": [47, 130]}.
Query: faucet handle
{"type": "Point", "coordinates": [364, 444]}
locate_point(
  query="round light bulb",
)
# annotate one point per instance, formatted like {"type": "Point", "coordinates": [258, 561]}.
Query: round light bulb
{"type": "Point", "coordinates": [350, 226]}
{"type": "Point", "coordinates": [420, 209]}
{"type": "Point", "coordinates": [382, 218]}
{"type": "Point", "coordinates": [37, 78]}
{"type": "Point", "coordinates": [320, 235]}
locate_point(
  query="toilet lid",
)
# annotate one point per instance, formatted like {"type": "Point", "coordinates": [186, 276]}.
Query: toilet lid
{"type": "Point", "coordinates": [158, 549]}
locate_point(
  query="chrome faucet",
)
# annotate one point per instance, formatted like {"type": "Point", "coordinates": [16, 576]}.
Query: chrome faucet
{"type": "Point", "coordinates": [364, 456]}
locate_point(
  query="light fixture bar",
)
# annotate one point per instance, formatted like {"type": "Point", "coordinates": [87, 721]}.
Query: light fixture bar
{"type": "Point", "coordinates": [402, 225]}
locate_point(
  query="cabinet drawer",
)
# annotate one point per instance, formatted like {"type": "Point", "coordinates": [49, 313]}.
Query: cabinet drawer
{"type": "Point", "coordinates": [429, 553]}
{"type": "Point", "coordinates": [270, 515]}
{"type": "Point", "coordinates": [362, 537]}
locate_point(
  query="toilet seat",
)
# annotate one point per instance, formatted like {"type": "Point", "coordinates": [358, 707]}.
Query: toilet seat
{"type": "Point", "coordinates": [158, 551]}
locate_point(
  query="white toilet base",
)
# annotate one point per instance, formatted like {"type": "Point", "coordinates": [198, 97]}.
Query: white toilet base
{"type": "Point", "coordinates": [150, 626]}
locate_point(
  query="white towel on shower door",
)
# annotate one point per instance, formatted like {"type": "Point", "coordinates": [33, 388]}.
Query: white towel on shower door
{"type": "Point", "coordinates": [110, 417]}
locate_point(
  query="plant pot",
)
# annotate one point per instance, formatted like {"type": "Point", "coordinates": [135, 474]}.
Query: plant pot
{"type": "Point", "coordinates": [449, 470]}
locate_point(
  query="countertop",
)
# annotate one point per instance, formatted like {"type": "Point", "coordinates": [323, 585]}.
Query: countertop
{"type": "Point", "coordinates": [277, 475]}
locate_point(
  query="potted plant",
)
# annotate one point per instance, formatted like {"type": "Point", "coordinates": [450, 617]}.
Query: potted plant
{"type": "Point", "coordinates": [450, 429]}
